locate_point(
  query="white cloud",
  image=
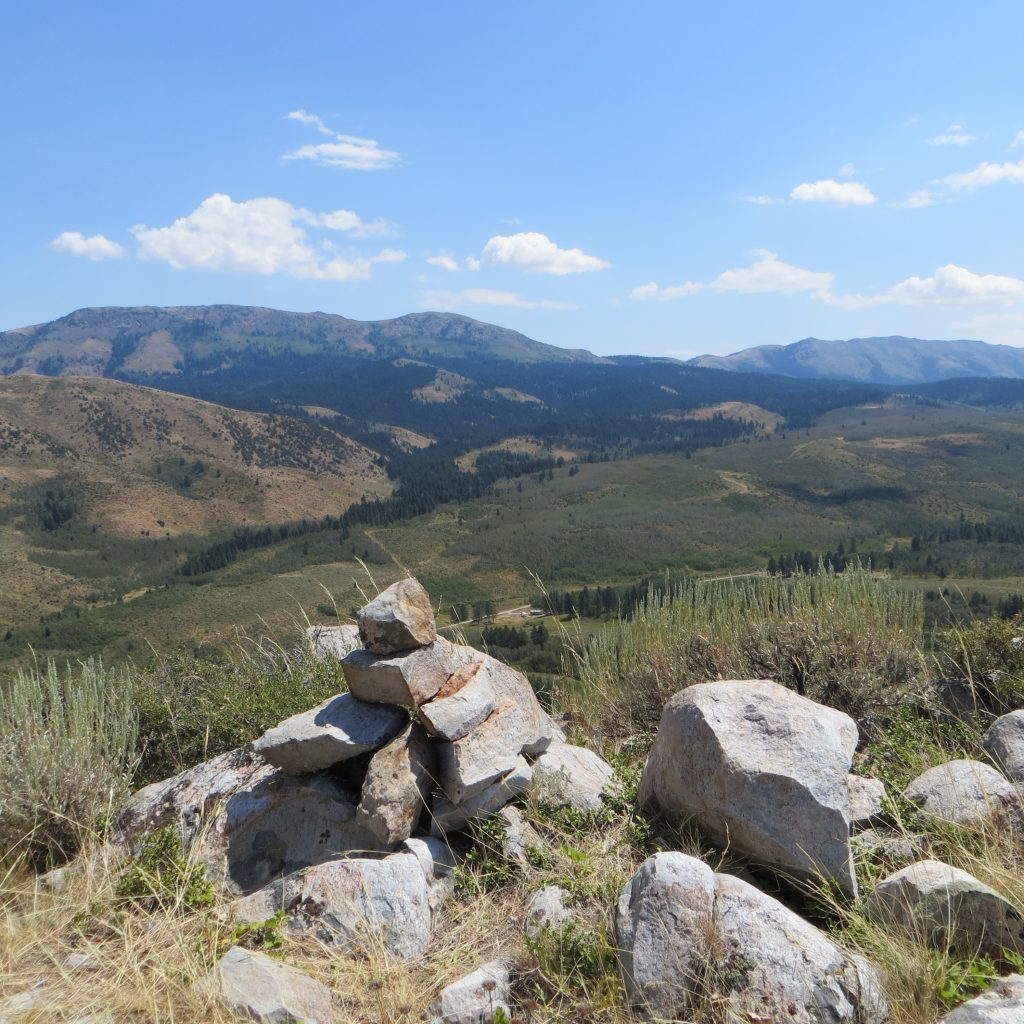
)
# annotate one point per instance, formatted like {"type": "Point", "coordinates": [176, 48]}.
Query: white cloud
{"type": "Point", "coordinates": [953, 285]}
{"type": "Point", "coordinates": [444, 262]}
{"type": "Point", "coordinates": [843, 193]}
{"type": "Point", "coordinates": [537, 254]}
{"type": "Point", "coordinates": [488, 297]}
{"type": "Point", "coordinates": [95, 247]}
{"type": "Point", "coordinates": [351, 223]}
{"type": "Point", "coordinates": [954, 135]}
{"type": "Point", "coordinates": [761, 200]}
{"type": "Point", "coordinates": [1018, 140]}
{"type": "Point", "coordinates": [847, 171]}
{"type": "Point", "coordinates": [349, 151]}
{"type": "Point", "coordinates": [472, 263]}
{"type": "Point", "coordinates": [918, 199]}
{"type": "Point", "coordinates": [257, 236]}
{"type": "Point", "coordinates": [767, 275]}
{"type": "Point", "coordinates": [986, 174]}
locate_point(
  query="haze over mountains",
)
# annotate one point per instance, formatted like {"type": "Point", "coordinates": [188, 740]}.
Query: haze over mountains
{"type": "Point", "coordinates": [894, 360]}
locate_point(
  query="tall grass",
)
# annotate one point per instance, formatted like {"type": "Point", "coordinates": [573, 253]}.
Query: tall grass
{"type": "Point", "coordinates": [850, 640]}
{"type": "Point", "coordinates": [67, 755]}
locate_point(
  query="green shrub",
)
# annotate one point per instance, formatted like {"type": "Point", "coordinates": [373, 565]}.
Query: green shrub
{"type": "Point", "coordinates": [67, 755]}
{"type": "Point", "coordinates": [990, 652]}
{"type": "Point", "coordinates": [161, 877]}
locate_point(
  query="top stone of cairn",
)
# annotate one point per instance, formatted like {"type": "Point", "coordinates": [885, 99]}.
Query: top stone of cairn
{"type": "Point", "coordinates": [398, 619]}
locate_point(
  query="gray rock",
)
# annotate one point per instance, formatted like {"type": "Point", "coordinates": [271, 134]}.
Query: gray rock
{"type": "Point", "coordinates": [763, 771]}
{"type": "Point", "coordinates": [776, 966]}
{"type": "Point", "coordinates": [449, 817]}
{"type": "Point", "coordinates": [23, 1003]}
{"type": "Point", "coordinates": [438, 863]}
{"type": "Point", "coordinates": [884, 846]}
{"type": "Point", "coordinates": [518, 725]}
{"type": "Point", "coordinates": [947, 908]}
{"type": "Point", "coordinates": [547, 909]}
{"type": "Point", "coordinates": [954, 699]}
{"type": "Point", "coordinates": [397, 786]}
{"type": "Point", "coordinates": [332, 642]}
{"type": "Point", "coordinates": [255, 986]}
{"type": "Point", "coordinates": [356, 902]}
{"type": "Point", "coordinates": [665, 928]}
{"type": "Point", "coordinates": [867, 801]}
{"type": "Point", "coordinates": [398, 619]}
{"type": "Point", "coordinates": [340, 728]}
{"type": "Point", "coordinates": [248, 822]}
{"type": "Point", "coordinates": [465, 700]}
{"type": "Point", "coordinates": [520, 836]}
{"type": "Point", "coordinates": [1001, 1003]}
{"type": "Point", "coordinates": [569, 776]}
{"type": "Point", "coordinates": [966, 793]}
{"type": "Point", "coordinates": [1004, 742]}
{"type": "Point", "coordinates": [410, 678]}
{"type": "Point", "coordinates": [475, 998]}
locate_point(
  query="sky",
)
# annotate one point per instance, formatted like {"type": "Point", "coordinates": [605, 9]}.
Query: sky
{"type": "Point", "coordinates": [650, 178]}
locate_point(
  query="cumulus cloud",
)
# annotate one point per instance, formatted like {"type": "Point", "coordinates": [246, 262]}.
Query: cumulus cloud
{"type": "Point", "coordinates": [349, 151]}
{"type": "Point", "coordinates": [842, 193]}
{"type": "Point", "coordinates": [953, 285]}
{"type": "Point", "coordinates": [95, 247]}
{"type": "Point", "coordinates": [767, 275]}
{"type": "Point", "coordinates": [489, 297]}
{"type": "Point", "coordinates": [536, 253]}
{"type": "Point", "coordinates": [258, 236]}
{"type": "Point", "coordinates": [444, 262]}
{"type": "Point", "coordinates": [986, 174]}
{"type": "Point", "coordinates": [954, 135]}
{"type": "Point", "coordinates": [472, 263]}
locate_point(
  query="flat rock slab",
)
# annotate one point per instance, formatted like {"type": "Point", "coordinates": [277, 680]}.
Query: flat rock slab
{"type": "Point", "coordinates": [966, 792]}
{"type": "Point", "coordinates": [948, 909]}
{"type": "Point", "coordinates": [409, 678]}
{"type": "Point", "coordinates": [1001, 1003]}
{"type": "Point", "coordinates": [340, 728]}
{"type": "Point", "coordinates": [449, 817]}
{"type": "Point", "coordinates": [462, 703]}
{"type": "Point", "coordinates": [763, 771]}
{"type": "Point", "coordinates": [257, 987]}
{"type": "Point", "coordinates": [396, 790]}
{"type": "Point", "coordinates": [567, 776]}
{"type": "Point", "coordinates": [1004, 741]}
{"type": "Point", "coordinates": [476, 998]}
{"type": "Point", "coordinates": [398, 619]}
{"type": "Point", "coordinates": [357, 902]}
{"type": "Point", "coordinates": [332, 642]}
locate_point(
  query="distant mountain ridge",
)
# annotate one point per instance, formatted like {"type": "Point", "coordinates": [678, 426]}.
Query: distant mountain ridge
{"type": "Point", "coordinates": [138, 342]}
{"type": "Point", "coordinates": [890, 361]}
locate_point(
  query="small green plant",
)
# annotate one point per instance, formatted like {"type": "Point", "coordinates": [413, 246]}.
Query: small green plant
{"type": "Point", "coordinates": [576, 964]}
{"type": "Point", "coordinates": [487, 865]}
{"type": "Point", "coordinates": [965, 979]}
{"type": "Point", "coordinates": [162, 877]}
{"type": "Point", "coordinates": [259, 935]}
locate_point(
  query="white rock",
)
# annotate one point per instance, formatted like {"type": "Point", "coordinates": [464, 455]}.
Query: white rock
{"type": "Point", "coordinates": [867, 800]}
{"type": "Point", "coordinates": [547, 910]}
{"type": "Point", "coordinates": [1004, 741]}
{"type": "Point", "coordinates": [1001, 1003]}
{"type": "Point", "coordinates": [475, 998]}
{"type": "Point", "coordinates": [569, 776]}
{"type": "Point", "coordinates": [763, 771]}
{"type": "Point", "coordinates": [520, 835]}
{"type": "Point", "coordinates": [397, 786]}
{"type": "Point", "coordinates": [465, 700]}
{"type": "Point", "coordinates": [966, 793]}
{"type": "Point", "coordinates": [449, 817]}
{"type": "Point", "coordinates": [947, 908]}
{"type": "Point", "coordinates": [409, 678]}
{"type": "Point", "coordinates": [438, 863]}
{"type": "Point", "coordinates": [332, 642]}
{"type": "Point", "coordinates": [665, 927]}
{"type": "Point", "coordinates": [398, 619]}
{"type": "Point", "coordinates": [340, 728]}
{"type": "Point", "coordinates": [257, 987]}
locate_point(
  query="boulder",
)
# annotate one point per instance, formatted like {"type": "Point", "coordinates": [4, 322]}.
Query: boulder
{"type": "Point", "coordinates": [261, 989]}
{"type": "Point", "coordinates": [948, 908]}
{"type": "Point", "coordinates": [437, 860]}
{"type": "Point", "coordinates": [398, 619]}
{"type": "Point", "coordinates": [340, 728]}
{"type": "Point", "coordinates": [967, 793]}
{"type": "Point", "coordinates": [763, 771]}
{"type": "Point", "coordinates": [867, 800]}
{"type": "Point", "coordinates": [356, 902]}
{"type": "Point", "coordinates": [476, 998]}
{"type": "Point", "coordinates": [517, 725]}
{"type": "Point", "coordinates": [1001, 1003]}
{"type": "Point", "coordinates": [547, 910]}
{"type": "Point", "coordinates": [520, 836]}
{"type": "Point", "coordinates": [409, 678]}
{"type": "Point", "coordinates": [465, 700]}
{"type": "Point", "coordinates": [449, 817]}
{"type": "Point", "coordinates": [332, 642]}
{"type": "Point", "coordinates": [1004, 742]}
{"type": "Point", "coordinates": [249, 822]}
{"type": "Point", "coordinates": [572, 777]}
{"type": "Point", "coordinates": [689, 937]}
{"type": "Point", "coordinates": [665, 927]}
{"type": "Point", "coordinates": [397, 786]}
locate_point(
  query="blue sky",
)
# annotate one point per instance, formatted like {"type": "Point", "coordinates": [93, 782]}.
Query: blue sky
{"type": "Point", "coordinates": [656, 178]}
